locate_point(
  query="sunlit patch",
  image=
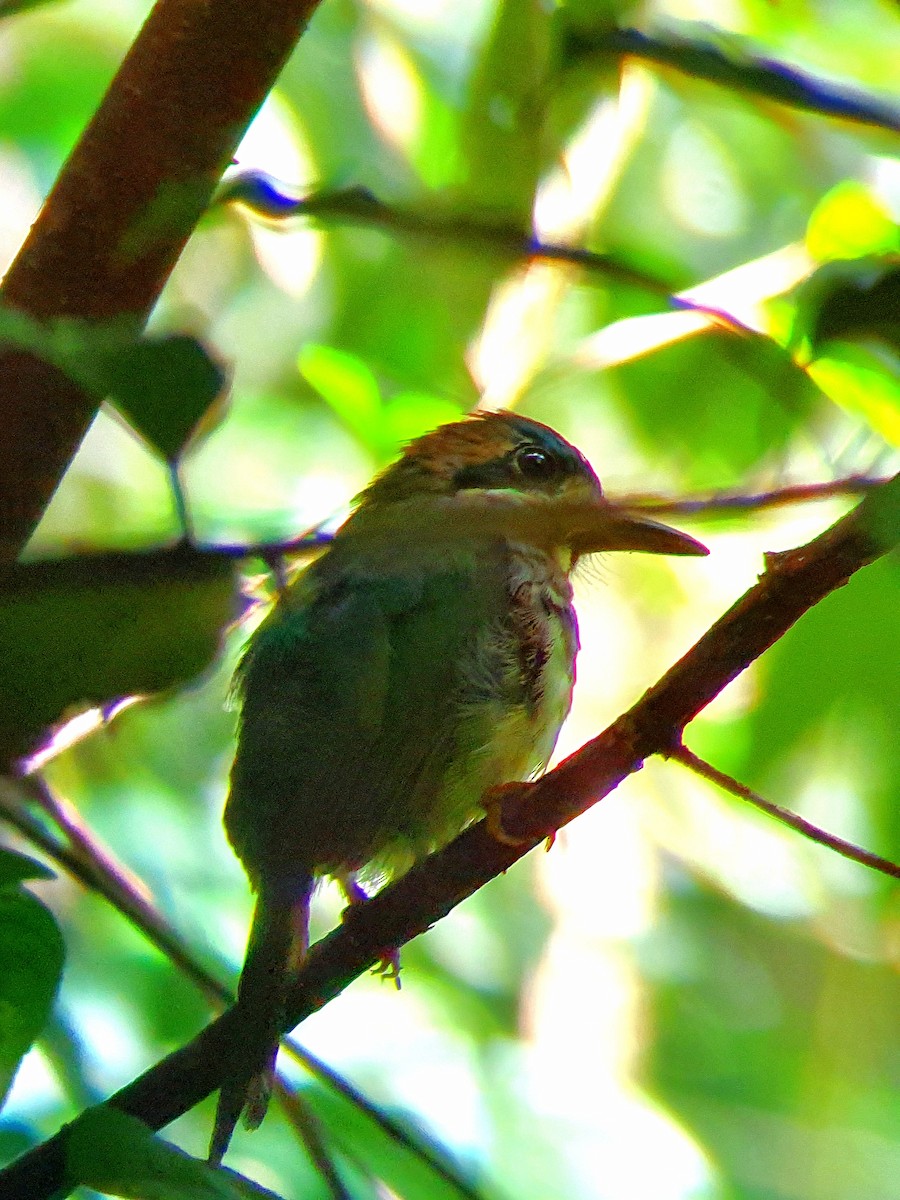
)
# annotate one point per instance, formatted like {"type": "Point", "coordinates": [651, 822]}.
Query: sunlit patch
{"type": "Point", "coordinates": [756, 860]}
{"type": "Point", "coordinates": [516, 334]}
{"type": "Point", "coordinates": [633, 337]}
{"type": "Point", "coordinates": [577, 190]}
{"type": "Point", "coordinates": [391, 90]}
{"type": "Point", "coordinates": [885, 175]}
{"type": "Point", "coordinates": [75, 730]}
{"type": "Point", "coordinates": [274, 143]}
{"type": "Point", "coordinates": [700, 184]}
{"type": "Point", "coordinates": [425, 14]}
{"type": "Point", "coordinates": [584, 1016]}
{"type": "Point", "coordinates": [290, 258]}
{"type": "Point", "coordinates": [740, 294]}
{"type": "Point", "coordinates": [519, 327]}
{"type": "Point", "coordinates": [35, 1089]}
{"type": "Point", "coordinates": [115, 1050]}
{"type": "Point", "coordinates": [743, 291]}
{"type": "Point", "coordinates": [19, 202]}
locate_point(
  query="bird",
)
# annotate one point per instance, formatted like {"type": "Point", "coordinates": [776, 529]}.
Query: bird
{"type": "Point", "coordinates": [424, 660]}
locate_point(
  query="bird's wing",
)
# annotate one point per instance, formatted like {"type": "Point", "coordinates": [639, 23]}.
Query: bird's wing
{"type": "Point", "coordinates": [349, 702]}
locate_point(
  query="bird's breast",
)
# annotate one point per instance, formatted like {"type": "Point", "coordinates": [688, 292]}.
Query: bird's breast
{"type": "Point", "coordinates": [520, 670]}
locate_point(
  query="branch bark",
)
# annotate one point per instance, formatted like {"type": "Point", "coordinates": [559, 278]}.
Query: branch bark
{"type": "Point", "coordinates": [121, 211]}
{"type": "Point", "coordinates": [792, 583]}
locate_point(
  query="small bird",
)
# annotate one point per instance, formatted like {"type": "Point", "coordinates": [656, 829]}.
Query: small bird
{"type": "Point", "coordinates": [426, 658]}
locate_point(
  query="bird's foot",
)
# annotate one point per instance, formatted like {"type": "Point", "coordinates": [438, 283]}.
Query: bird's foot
{"type": "Point", "coordinates": [388, 966]}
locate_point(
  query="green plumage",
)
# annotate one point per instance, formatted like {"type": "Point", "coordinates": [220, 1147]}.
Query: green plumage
{"type": "Point", "coordinates": [375, 713]}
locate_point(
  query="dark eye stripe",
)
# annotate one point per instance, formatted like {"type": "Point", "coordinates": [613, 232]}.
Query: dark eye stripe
{"type": "Point", "coordinates": [526, 464]}
{"type": "Point", "coordinates": [497, 473]}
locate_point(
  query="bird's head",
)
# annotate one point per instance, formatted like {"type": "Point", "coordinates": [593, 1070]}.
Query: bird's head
{"type": "Point", "coordinates": [502, 474]}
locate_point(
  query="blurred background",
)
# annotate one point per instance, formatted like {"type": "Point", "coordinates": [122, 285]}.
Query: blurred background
{"type": "Point", "coordinates": [682, 999]}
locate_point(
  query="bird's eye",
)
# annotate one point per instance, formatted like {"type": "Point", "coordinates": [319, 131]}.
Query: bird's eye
{"type": "Point", "coordinates": [535, 463]}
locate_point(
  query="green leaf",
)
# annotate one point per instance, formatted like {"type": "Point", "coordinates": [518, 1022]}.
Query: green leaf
{"type": "Point", "coordinates": [850, 222]}
{"type": "Point", "coordinates": [31, 962]}
{"type": "Point", "coordinates": [9, 7]}
{"type": "Point", "coordinates": [167, 388]}
{"type": "Point", "coordinates": [864, 381]}
{"type": "Point", "coordinates": [858, 299]}
{"type": "Point", "coordinates": [117, 1154]}
{"type": "Point", "coordinates": [349, 387]}
{"type": "Point", "coordinates": [834, 679]}
{"type": "Point", "coordinates": [718, 403]}
{"type": "Point", "coordinates": [883, 508]}
{"type": "Point", "coordinates": [409, 414]}
{"type": "Point", "coordinates": [735, 1057]}
{"type": "Point", "coordinates": [15, 868]}
{"type": "Point", "coordinates": [84, 631]}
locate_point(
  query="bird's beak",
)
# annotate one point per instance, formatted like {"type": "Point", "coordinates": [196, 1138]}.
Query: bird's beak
{"type": "Point", "coordinates": [618, 529]}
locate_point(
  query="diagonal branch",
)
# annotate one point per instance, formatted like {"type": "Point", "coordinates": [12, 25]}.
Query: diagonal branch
{"type": "Point", "coordinates": [793, 820]}
{"type": "Point", "coordinates": [722, 63]}
{"type": "Point", "coordinates": [791, 584]}
{"type": "Point", "coordinates": [123, 208]}
{"type": "Point", "coordinates": [268, 199]}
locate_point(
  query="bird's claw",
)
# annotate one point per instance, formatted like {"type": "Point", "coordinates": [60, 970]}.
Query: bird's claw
{"type": "Point", "coordinates": [388, 966]}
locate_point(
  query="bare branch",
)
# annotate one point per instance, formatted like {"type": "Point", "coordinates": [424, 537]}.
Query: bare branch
{"type": "Point", "coordinates": [762, 77]}
{"type": "Point", "coordinates": [719, 503]}
{"type": "Point", "coordinates": [847, 849]}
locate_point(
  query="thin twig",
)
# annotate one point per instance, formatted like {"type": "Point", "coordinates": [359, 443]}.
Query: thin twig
{"type": "Point", "coordinates": [276, 201]}
{"type": "Point", "coordinates": [307, 1128]}
{"type": "Point", "coordinates": [763, 77]}
{"type": "Point", "coordinates": [729, 502]}
{"type": "Point", "coordinates": [815, 833]}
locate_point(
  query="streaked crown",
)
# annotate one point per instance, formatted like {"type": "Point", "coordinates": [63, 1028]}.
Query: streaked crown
{"type": "Point", "coordinates": [488, 451]}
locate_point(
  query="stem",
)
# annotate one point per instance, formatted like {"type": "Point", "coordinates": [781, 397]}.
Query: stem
{"type": "Point", "coordinates": [816, 834]}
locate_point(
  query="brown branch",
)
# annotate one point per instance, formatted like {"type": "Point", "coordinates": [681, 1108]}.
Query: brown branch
{"type": "Point", "coordinates": [792, 583]}
{"type": "Point", "coordinates": [273, 201]}
{"type": "Point", "coordinates": [123, 208]}
{"type": "Point", "coordinates": [728, 64]}
{"type": "Point", "coordinates": [719, 503]}
{"type": "Point", "coordinates": [793, 820]}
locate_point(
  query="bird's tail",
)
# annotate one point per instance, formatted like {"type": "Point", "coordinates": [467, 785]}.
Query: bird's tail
{"type": "Point", "coordinates": [279, 938]}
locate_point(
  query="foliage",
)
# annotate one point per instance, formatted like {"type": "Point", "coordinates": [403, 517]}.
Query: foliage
{"type": "Point", "coordinates": [682, 999]}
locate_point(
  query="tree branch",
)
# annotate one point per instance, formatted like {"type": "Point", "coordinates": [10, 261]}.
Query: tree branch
{"type": "Point", "coordinates": [722, 503]}
{"type": "Point", "coordinates": [791, 584]}
{"type": "Point", "coordinates": [273, 200]}
{"type": "Point", "coordinates": [793, 820]}
{"type": "Point", "coordinates": [760, 76]}
{"type": "Point", "coordinates": [122, 209]}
